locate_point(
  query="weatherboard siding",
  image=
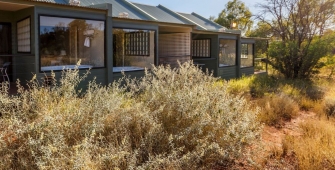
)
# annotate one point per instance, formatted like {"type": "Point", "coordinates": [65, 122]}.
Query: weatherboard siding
{"type": "Point", "coordinates": [247, 71]}
{"type": "Point", "coordinates": [227, 72]}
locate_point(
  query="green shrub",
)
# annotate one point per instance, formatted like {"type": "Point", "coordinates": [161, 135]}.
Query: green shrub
{"type": "Point", "coordinates": [170, 119]}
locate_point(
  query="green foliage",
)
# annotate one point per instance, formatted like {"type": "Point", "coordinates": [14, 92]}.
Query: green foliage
{"type": "Point", "coordinates": [298, 27]}
{"type": "Point", "coordinates": [171, 119]}
{"type": "Point", "coordinates": [295, 61]}
{"type": "Point", "coordinates": [262, 30]}
{"type": "Point", "coordinates": [235, 11]}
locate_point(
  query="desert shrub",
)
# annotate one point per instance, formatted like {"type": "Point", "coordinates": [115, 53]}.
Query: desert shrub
{"type": "Point", "coordinates": [276, 108]}
{"type": "Point", "coordinates": [316, 147]}
{"type": "Point", "coordinates": [170, 119]}
{"type": "Point", "coordinates": [262, 85]}
{"type": "Point", "coordinates": [193, 107]}
{"type": "Point", "coordinates": [307, 104]}
{"type": "Point", "coordinates": [329, 103]}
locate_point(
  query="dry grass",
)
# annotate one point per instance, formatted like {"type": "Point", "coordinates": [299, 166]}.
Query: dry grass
{"type": "Point", "coordinates": [315, 149]}
{"type": "Point", "coordinates": [277, 108]}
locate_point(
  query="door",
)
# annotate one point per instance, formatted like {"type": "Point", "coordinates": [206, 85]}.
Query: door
{"type": "Point", "coordinates": [6, 46]}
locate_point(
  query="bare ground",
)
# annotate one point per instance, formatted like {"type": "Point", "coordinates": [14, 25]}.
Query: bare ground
{"type": "Point", "coordinates": [268, 153]}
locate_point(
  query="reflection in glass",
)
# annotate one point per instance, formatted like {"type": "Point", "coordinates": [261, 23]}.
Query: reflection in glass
{"type": "Point", "coordinates": [65, 41]}
{"type": "Point", "coordinates": [227, 53]}
{"type": "Point", "coordinates": [133, 50]}
{"type": "Point", "coordinates": [247, 56]}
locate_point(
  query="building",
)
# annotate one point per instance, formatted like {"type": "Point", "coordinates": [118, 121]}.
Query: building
{"type": "Point", "coordinates": [110, 36]}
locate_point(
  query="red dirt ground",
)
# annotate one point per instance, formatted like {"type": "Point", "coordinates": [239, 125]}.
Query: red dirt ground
{"type": "Point", "coordinates": [271, 140]}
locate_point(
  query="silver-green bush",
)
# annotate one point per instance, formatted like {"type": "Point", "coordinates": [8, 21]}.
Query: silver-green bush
{"type": "Point", "coordinates": [169, 119]}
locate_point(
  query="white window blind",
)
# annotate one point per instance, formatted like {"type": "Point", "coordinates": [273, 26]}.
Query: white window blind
{"type": "Point", "coordinates": [23, 35]}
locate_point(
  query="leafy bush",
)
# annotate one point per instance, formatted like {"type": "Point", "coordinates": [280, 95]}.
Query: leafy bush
{"type": "Point", "coordinates": [170, 119]}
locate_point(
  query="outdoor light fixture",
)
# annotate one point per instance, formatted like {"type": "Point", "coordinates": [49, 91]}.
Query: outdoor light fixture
{"type": "Point", "coordinates": [233, 25]}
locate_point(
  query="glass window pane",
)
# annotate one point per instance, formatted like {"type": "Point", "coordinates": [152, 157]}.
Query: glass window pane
{"type": "Point", "coordinates": [227, 53]}
{"type": "Point", "coordinates": [133, 50]}
{"type": "Point", "coordinates": [65, 41]}
{"type": "Point", "coordinates": [247, 57]}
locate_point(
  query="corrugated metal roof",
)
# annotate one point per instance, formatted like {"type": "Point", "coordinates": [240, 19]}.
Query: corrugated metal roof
{"type": "Point", "coordinates": [120, 6]}
{"type": "Point", "coordinates": [65, 3]}
{"type": "Point", "coordinates": [53, 1]}
{"type": "Point", "coordinates": [147, 12]}
{"type": "Point", "coordinates": [208, 24]}
{"type": "Point", "coordinates": [160, 14]}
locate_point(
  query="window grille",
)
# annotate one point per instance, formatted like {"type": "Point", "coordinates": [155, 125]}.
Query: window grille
{"type": "Point", "coordinates": [137, 43]}
{"type": "Point", "coordinates": [201, 48]}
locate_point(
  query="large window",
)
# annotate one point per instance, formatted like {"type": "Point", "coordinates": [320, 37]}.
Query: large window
{"type": "Point", "coordinates": [133, 50]}
{"type": "Point", "coordinates": [227, 53]}
{"type": "Point", "coordinates": [23, 35]}
{"type": "Point", "coordinates": [247, 55]}
{"type": "Point", "coordinates": [201, 48]}
{"type": "Point", "coordinates": [65, 41]}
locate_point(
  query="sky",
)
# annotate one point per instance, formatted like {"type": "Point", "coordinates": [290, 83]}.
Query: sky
{"type": "Point", "coordinates": [205, 8]}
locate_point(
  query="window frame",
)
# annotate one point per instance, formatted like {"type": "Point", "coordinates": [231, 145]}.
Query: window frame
{"type": "Point", "coordinates": [134, 28]}
{"type": "Point", "coordinates": [209, 48]}
{"type": "Point", "coordinates": [236, 52]}
{"type": "Point", "coordinates": [69, 17]}
{"type": "Point", "coordinates": [243, 55]}
{"type": "Point", "coordinates": [30, 36]}
{"type": "Point", "coordinates": [253, 55]}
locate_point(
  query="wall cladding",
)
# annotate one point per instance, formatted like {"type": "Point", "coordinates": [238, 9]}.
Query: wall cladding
{"type": "Point", "coordinates": [174, 47]}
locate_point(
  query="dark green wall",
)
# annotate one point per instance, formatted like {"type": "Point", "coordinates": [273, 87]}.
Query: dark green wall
{"type": "Point", "coordinates": [131, 74]}
{"type": "Point", "coordinates": [228, 72]}
{"type": "Point", "coordinates": [247, 71]}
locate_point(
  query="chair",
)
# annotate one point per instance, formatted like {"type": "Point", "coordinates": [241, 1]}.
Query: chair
{"type": "Point", "coordinates": [4, 72]}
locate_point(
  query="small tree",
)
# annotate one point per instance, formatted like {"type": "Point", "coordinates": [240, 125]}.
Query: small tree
{"type": "Point", "coordinates": [235, 12]}
{"type": "Point", "coordinates": [299, 26]}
